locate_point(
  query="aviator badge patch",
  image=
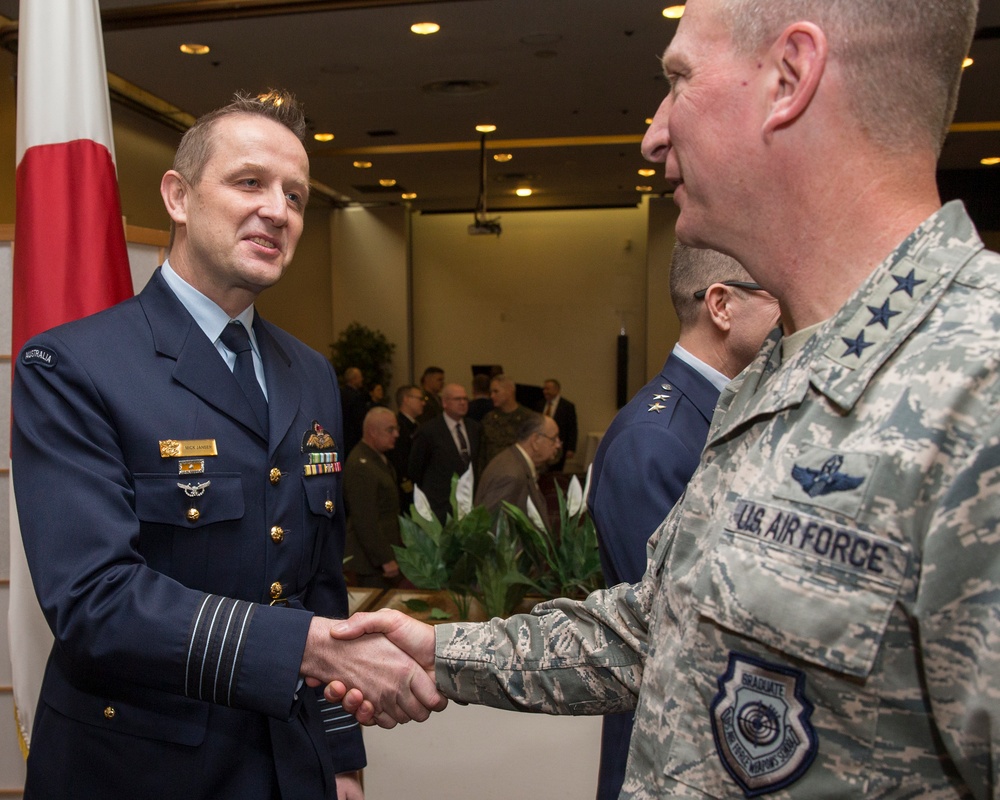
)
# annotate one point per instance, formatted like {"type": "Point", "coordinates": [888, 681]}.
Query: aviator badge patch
{"type": "Point", "coordinates": [760, 719]}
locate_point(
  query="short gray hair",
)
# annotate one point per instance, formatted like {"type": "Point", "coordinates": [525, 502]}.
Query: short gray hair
{"type": "Point", "coordinates": [694, 268]}
{"type": "Point", "coordinates": [902, 59]}
{"type": "Point", "coordinates": [532, 424]}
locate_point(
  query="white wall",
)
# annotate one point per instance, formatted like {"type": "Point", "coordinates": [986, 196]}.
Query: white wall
{"type": "Point", "coordinates": [545, 299]}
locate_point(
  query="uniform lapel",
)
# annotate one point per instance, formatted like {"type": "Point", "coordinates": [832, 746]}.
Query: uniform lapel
{"type": "Point", "coordinates": [284, 387]}
{"type": "Point", "coordinates": [198, 365]}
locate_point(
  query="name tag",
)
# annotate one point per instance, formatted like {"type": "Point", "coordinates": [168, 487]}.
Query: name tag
{"type": "Point", "coordinates": [183, 448]}
{"type": "Point", "coordinates": [847, 548]}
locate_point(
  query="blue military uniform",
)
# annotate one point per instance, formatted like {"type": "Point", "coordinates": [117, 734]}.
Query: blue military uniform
{"type": "Point", "coordinates": [641, 468]}
{"type": "Point", "coordinates": [160, 523]}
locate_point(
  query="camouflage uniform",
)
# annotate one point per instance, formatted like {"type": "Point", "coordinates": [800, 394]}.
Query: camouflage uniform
{"type": "Point", "coordinates": [819, 617]}
{"type": "Point", "coordinates": [500, 431]}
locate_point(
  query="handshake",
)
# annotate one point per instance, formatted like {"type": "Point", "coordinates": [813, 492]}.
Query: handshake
{"type": "Point", "coordinates": [379, 666]}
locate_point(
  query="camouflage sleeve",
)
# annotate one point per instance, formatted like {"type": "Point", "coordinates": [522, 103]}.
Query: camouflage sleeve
{"type": "Point", "coordinates": [958, 614]}
{"type": "Point", "coordinates": [565, 657]}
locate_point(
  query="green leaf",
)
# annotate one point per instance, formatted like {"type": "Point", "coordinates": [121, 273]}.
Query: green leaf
{"type": "Point", "coordinates": [439, 613]}
{"type": "Point", "coordinates": [418, 605]}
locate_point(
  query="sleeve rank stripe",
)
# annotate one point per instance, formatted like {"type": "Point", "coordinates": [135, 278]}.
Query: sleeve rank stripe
{"type": "Point", "coordinates": [217, 643]}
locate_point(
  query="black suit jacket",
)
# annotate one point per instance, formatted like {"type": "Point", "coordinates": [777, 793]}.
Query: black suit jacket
{"type": "Point", "coordinates": [434, 459]}
{"type": "Point", "coordinates": [399, 457]}
{"type": "Point", "coordinates": [565, 418]}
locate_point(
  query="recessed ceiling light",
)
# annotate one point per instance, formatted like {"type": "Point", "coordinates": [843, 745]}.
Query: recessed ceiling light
{"type": "Point", "coordinates": [425, 28]}
{"type": "Point", "coordinates": [524, 191]}
{"type": "Point", "coordinates": [649, 120]}
{"type": "Point", "coordinates": [195, 49]}
{"type": "Point", "coordinates": [387, 182]}
{"type": "Point", "coordinates": [992, 161]}
{"type": "Point", "coordinates": [647, 173]}
{"type": "Point", "coordinates": [363, 164]}
{"type": "Point", "coordinates": [503, 157]}
{"type": "Point", "coordinates": [323, 137]}
{"type": "Point", "coordinates": [967, 62]}
{"type": "Point", "coordinates": [486, 128]}
{"type": "Point", "coordinates": [409, 195]}
{"type": "Point", "coordinates": [644, 188]}
{"type": "Point", "coordinates": [673, 12]}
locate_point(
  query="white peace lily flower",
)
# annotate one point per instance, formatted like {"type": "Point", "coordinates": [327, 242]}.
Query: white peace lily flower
{"type": "Point", "coordinates": [420, 503]}
{"type": "Point", "coordinates": [534, 516]}
{"type": "Point", "coordinates": [586, 486]}
{"type": "Point", "coordinates": [463, 493]}
{"type": "Point", "coordinates": [574, 496]}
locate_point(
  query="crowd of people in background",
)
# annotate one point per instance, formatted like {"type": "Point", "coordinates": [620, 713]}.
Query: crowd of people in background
{"type": "Point", "coordinates": [440, 431]}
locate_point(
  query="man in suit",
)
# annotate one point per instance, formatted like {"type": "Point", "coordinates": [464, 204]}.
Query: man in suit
{"type": "Point", "coordinates": [179, 496]}
{"type": "Point", "coordinates": [564, 413]}
{"type": "Point", "coordinates": [354, 403]}
{"type": "Point", "coordinates": [513, 474]}
{"type": "Point", "coordinates": [371, 495]}
{"type": "Point", "coordinates": [431, 382]}
{"type": "Point", "coordinates": [481, 404]}
{"type": "Point", "coordinates": [653, 444]}
{"type": "Point", "coordinates": [444, 447]}
{"type": "Point", "coordinates": [410, 402]}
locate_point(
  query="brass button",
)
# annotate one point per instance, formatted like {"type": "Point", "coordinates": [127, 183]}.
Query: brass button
{"type": "Point", "coordinates": [328, 505]}
{"type": "Point", "coordinates": [276, 590]}
{"type": "Point", "coordinates": [277, 534]}
{"type": "Point", "coordinates": [109, 712]}
{"type": "Point", "coordinates": [275, 476]}
{"type": "Point", "coordinates": [193, 514]}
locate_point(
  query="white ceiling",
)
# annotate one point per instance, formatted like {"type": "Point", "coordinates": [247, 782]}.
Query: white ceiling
{"type": "Point", "coordinates": [555, 72]}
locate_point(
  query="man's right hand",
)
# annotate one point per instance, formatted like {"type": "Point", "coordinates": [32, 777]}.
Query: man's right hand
{"type": "Point", "coordinates": [414, 638]}
{"type": "Point", "coordinates": [391, 681]}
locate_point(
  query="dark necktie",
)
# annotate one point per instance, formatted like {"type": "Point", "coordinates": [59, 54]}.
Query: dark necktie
{"type": "Point", "coordinates": [463, 444]}
{"type": "Point", "coordinates": [235, 337]}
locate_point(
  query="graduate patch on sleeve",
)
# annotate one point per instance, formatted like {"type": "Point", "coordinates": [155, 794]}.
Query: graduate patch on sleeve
{"type": "Point", "coordinates": [760, 719]}
{"type": "Point", "coordinates": [39, 357]}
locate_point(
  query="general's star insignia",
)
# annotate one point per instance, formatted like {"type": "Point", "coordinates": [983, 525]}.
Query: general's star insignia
{"type": "Point", "coordinates": [855, 347]}
{"type": "Point", "coordinates": [657, 407]}
{"type": "Point", "coordinates": [907, 283]}
{"type": "Point", "coordinates": [661, 396]}
{"type": "Point", "coordinates": [881, 316]}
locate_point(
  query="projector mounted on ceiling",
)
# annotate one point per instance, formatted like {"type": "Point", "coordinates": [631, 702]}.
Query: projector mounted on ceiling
{"type": "Point", "coordinates": [482, 224]}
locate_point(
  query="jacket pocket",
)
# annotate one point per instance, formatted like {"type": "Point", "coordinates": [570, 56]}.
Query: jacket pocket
{"type": "Point", "coordinates": [198, 501]}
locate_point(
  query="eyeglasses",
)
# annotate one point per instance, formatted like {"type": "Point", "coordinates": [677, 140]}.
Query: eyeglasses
{"type": "Point", "coordinates": [554, 439]}
{"type": "Point", "coordinates": [750, 287]}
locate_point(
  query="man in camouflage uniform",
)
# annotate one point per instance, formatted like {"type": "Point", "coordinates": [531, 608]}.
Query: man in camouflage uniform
{"type": "Point", "coordinates": [818, 617]}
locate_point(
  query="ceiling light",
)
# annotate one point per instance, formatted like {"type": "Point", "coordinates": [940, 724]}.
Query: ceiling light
{"type": "Point", "coordinates": [673, 12]}
{"type": "Point", "coordinates": [409, 195]}
{"type": "Point", "coordinates": [486, 128]}
{"type": "Point", "coordinates": [502, 157]}
{"type": "Point", "coordinates": [649, 120]}
{"type": "Point", "coordinates": [387, 182]}
{"type": "Point", "coordinates": [323, 137]}
{"type": "Point", "coordinates": [363, 164]}
{"type": "Point", "coordinates": [992, 161]}
{"type": "Point", "coordinates": [425, 28]}
{"type": "Point", "coordinates": [644, 188]}
{"type": "Point", "coordinates": [195, 49]}
{"type": "Point", "coordinates": [647, 173]}
{"type": "Point", "coordinates": [524, 191]}
{"type": "Point", "coordinates": [967, 62]}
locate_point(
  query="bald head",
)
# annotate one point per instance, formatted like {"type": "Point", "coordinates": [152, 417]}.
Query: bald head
{"type": "Point", "coordinates": [380, 430]}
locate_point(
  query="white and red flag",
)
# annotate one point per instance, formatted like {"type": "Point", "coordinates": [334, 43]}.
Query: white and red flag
{"type": "Point", "coordinates": [70, 257]}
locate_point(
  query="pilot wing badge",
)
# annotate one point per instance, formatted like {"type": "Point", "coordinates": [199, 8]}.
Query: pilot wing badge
{"type": "Point", "coordinates": [760, 719]}
{"type": "Point", "coordinates": [826, 479]}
